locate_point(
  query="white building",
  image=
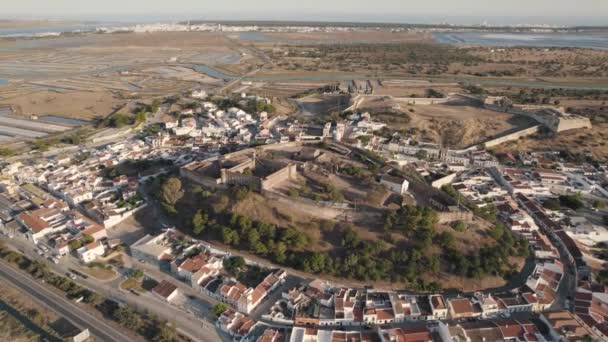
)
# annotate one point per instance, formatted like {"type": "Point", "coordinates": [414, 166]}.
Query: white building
{"type": "Point", "coordinates": [395, 184]}
{"type": "Point", "coordinates": [91, 251]}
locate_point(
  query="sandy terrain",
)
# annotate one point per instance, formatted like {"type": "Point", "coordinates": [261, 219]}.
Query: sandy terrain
{"type": "Point", "coordinates": [83, 105]}
{"type": "Point", "coordinates": [592, 141]}
{"type": "Point", "coordinates": [459, 126]}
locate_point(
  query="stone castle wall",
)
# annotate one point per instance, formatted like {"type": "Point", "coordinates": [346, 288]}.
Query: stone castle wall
{"type": "Point", "coordinates": [286, 173]}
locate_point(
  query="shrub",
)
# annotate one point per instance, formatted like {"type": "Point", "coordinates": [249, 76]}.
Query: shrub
{"type": "Point", "coordinates": [217, 310]}
{"type": "Point", "coordinates": [459, 226]}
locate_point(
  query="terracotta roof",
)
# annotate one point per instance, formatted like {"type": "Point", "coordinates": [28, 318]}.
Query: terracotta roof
{"type": "Point", "coordinates": [548, 171]}
{"type": "Point", "coordinates": [385, 314]}
{"type": "Point", "coordinates": [461, 306]}
{"type": "Point", "coordinates": [193, 264]}
{"type": "Point", "coordinates": [417, 334]}
{"type": "Point", "coordinates": [93, 229]}
{"type": "Point", "coordinates": [583, 296]}
{"type": "Point", "coordinates": [530, 298]}
{"type": "Point", "coordinates": [93, 245]}
{"type": "Point", "coordinates": [164, 289]}
{"type": "Point", "coordinates": [510, 329]}
{"type": "Point", "coordinates": [438, 302]}
{"type": "Point", "coordinates": [33, 222]}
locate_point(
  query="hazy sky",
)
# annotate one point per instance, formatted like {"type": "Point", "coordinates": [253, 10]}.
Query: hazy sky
{"type": "Point", "coordinates": [592, 12]}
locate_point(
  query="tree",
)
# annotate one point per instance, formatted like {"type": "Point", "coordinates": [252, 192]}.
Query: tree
{"type": "Point", "coordinates": [117, 120]}
{"type": "Point", "coordinates": [128, 318]}
{"type": "Point", "coordinates": [155, 105]}
{"type": "Point", "coordinates": [199, 221]}
{"type": "Point", "coordinates": [599, 204]}
{"type": "Point", "coordinates": [422, 154]}
{"type": "Point", "coordinates": [460, 226]}
{"type": "Point", "coordinates": [5, 152]}
{"type": "Point", "coordinates": [86, 239]}
{"type": "Point", "coordinates": [136, 273]}
{"type": "Point", "coordinates": [140, 116]}
{"type": "Point", "coordinates": [573, 202]}
{"type": "Point", "coordinates": [75, 244]}
{"type": "Point", "coordinates": [497, 232]}
{"type": "Point", "coordinates": [315, 263]}
{"type": "Point", "coordinates": [279, 252]}
{"type": "Point", "coordinates": [434, 93]}
{"type": "Point", "coordinates": [230, 237]}
{"type": "Point", "coordinates": [552, 204]}
{"type": "Point", "coordinates": [234, 264]}
{"type": "Point", "coordinates": [166, 333]}
{"type": "Point", "coordinates": [92, 298]}
{"type": "Point", "coordinates": [217, 310]}
{"type": "Point", "coordinates": [350, 239]}
{"type": "Point", "coordinates": [602, 277]}
{"type": "Point", "coordinates": [41, 145]}
{"type": "Point", "coordinates": [171, 191]}
{"type": "Point", "coordinates": [446, 239]}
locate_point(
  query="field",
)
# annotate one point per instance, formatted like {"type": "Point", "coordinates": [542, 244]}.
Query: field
{"type": "Point", "coordinates": [73, 104]}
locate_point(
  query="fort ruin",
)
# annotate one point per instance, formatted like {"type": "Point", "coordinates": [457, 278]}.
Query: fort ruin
{"type": "Point", "coordinates": [554, 118]}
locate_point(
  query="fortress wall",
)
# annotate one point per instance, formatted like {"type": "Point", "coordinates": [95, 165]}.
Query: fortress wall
{"type": "Point", "coordinates": [422, 100]}
{"type": "Point", "coordinates": [236, 178]}
{"type": "Point", "coordinates": [555, 123]}
{"type": "Point", "coordinates": [513, 136]}
{"type": "Point", "coordinates": [453, 216]}
{"type": "Point", "coordinates": [288, 172]}
{"type": "Point", "coordinates": [248, 164]}
{"type": "Point", "coordinates": [200, 179]}
{"type": "Point", "coordinates": [567, 123]}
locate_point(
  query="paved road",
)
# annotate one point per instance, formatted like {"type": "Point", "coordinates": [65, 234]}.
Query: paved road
{"type": "Point", "coordinates": [197, 328]}
{"type": "Point", "coordinates": [62, 306]}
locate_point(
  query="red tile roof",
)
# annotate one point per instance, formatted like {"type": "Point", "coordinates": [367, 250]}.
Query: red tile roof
{"type": "Point", "coordinates": [164, 289]}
